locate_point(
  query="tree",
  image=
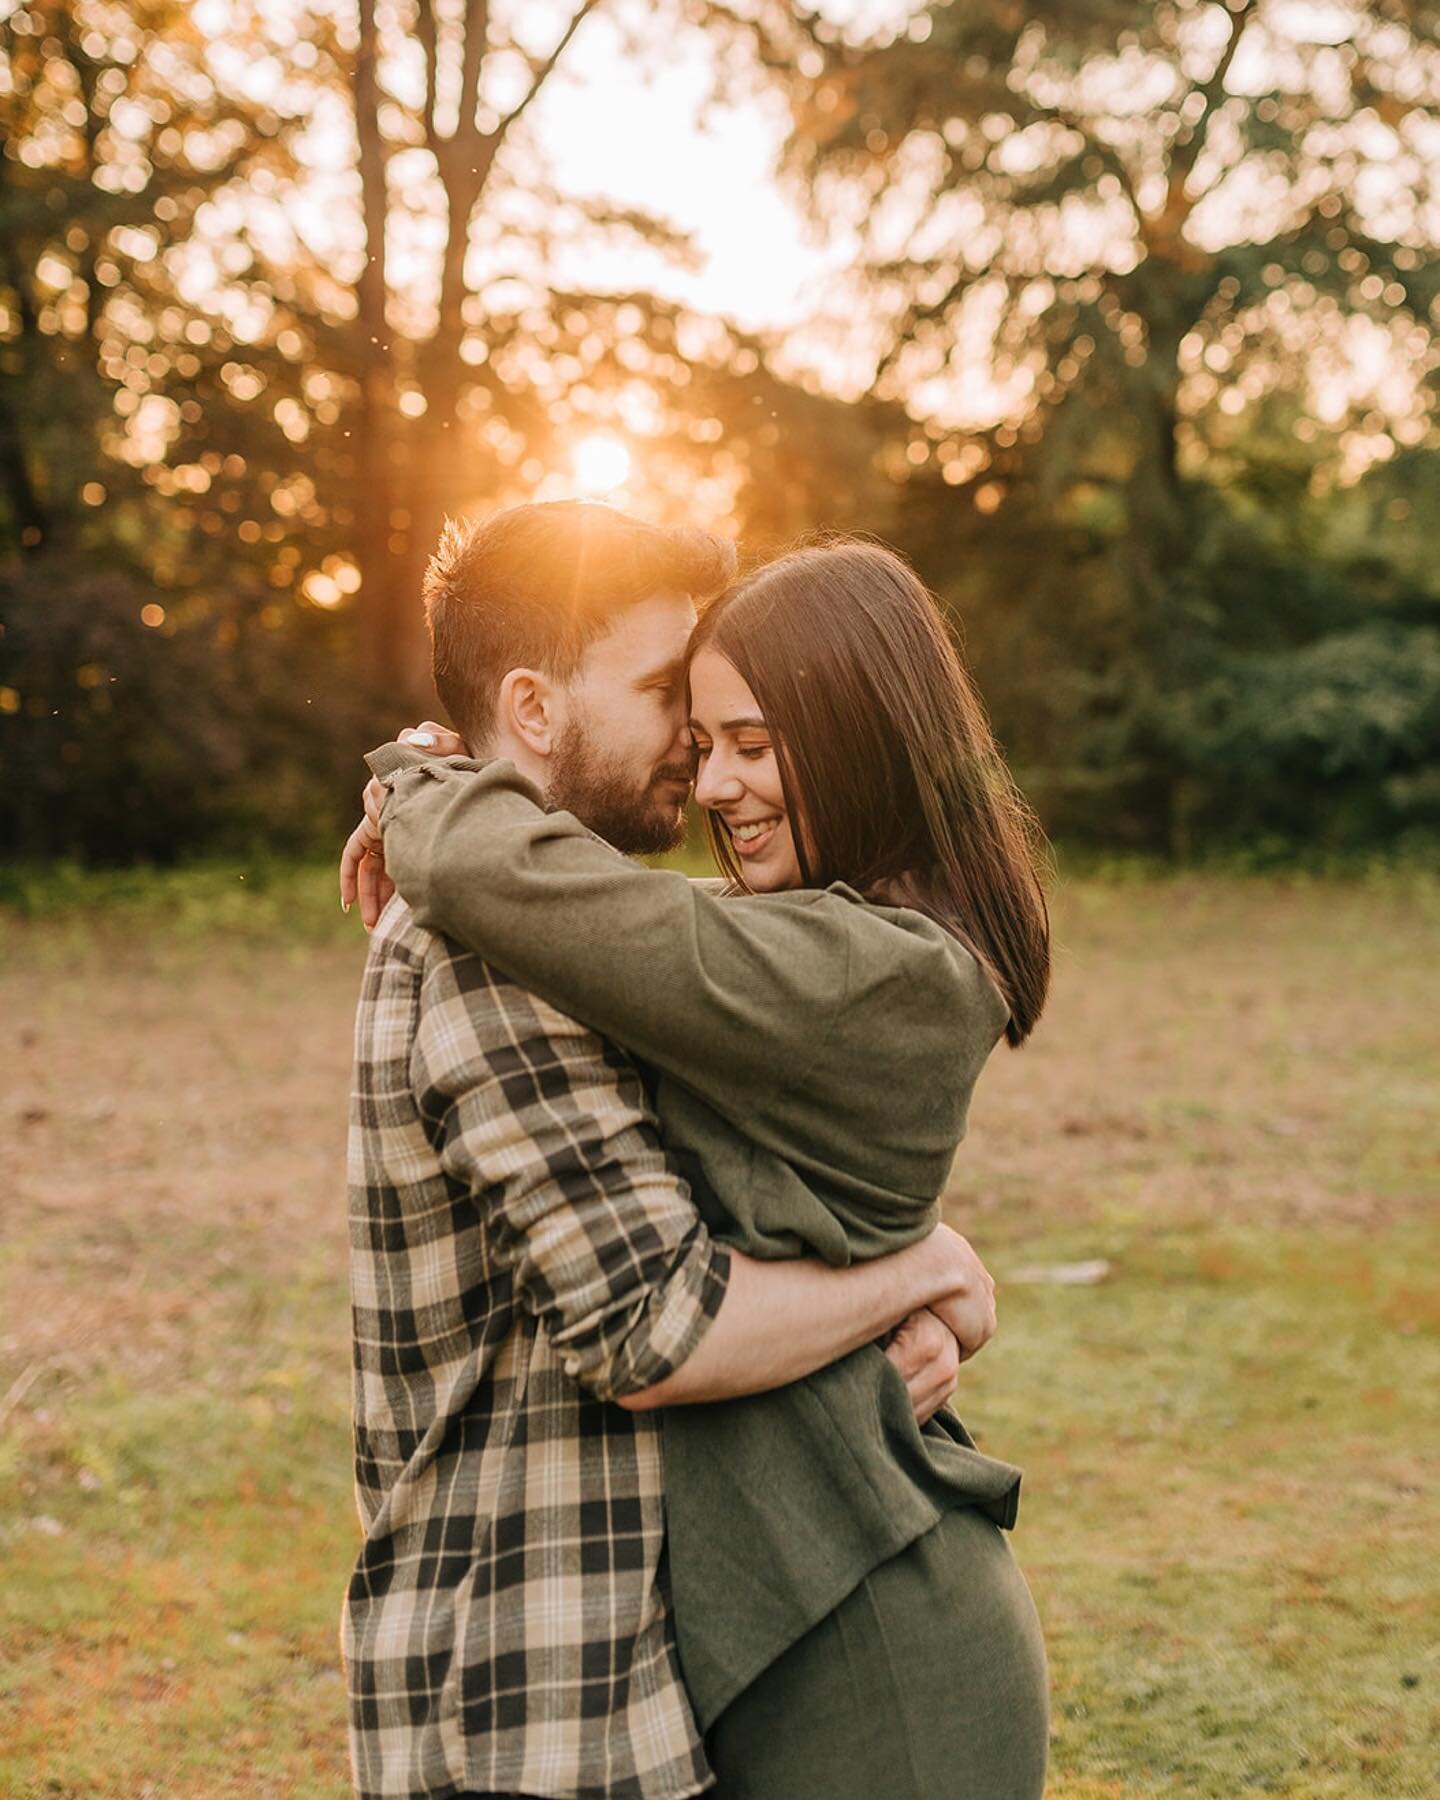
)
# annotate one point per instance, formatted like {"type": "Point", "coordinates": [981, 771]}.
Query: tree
{"type": "Point", "coordinates": [156, 399]}
{"type": "Point", "coordinates": [441, 97]}
{"type": "Point", "coordinates": [164, 432]}
{"type": "Point", "coordinates": [1092, 243]}
{"type": "Point", "coordinates": [1169, 203]}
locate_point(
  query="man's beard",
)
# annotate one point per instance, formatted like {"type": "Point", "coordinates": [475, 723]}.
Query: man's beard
{"type": "Point", "coordinates": [602, 794]}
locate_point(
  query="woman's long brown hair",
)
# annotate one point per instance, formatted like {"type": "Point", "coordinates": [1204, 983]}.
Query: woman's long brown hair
{"type": "Point", "coordinates": [891, 773]}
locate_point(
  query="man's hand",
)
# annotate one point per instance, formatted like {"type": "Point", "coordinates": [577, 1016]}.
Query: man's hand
{"type": "Point", "coordinates": [967, 1303]}
{"type": "Point", "coordinates": [362, 861]}
{"type": "Point", "coordinates": [927, 1355]}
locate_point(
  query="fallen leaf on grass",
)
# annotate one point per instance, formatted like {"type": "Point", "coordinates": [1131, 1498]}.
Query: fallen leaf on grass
{"type": "Point", "coordinates": [1076, 1274]}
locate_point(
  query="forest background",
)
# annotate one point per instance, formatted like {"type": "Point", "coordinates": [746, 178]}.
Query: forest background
{"type": "Point", "coordinates": [1119, 319]}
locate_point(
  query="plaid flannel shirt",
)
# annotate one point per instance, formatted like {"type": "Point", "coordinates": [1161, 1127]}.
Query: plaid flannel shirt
{"type": "Point", "coordinates": [521, 1253]}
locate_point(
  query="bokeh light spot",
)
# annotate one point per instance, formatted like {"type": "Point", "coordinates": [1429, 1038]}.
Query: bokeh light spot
{"type": "Point", "coordinates": [322, 589]}
{"type": "Point", "coordinates": [602, 464]}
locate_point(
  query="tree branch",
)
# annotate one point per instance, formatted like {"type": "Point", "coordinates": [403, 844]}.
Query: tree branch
{"type": "Point", "coordinates": [87, 74]}
{"type": "Point", "coordinates": [1114, 163]}
{"type": "Point", "coordinates": [1163, 231]}
{"type": "Point", "coordinates": [477, 29]}
{"type": "Point", "coordinates": [773, 51]}
{"type": "Point", "coordinates": [428, 34]}
{"type": "Point", "coordinates": [916, 316]}
{"type": "Point", "coordinates": [545, 70]}
{"type": "Point", "coordinates": [371, 286]}
{"type": "Point", "coordinates": [1189, 145]}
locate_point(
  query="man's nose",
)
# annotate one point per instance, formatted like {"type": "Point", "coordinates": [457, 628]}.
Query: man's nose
{"type": "Point", "coordinates": [679, 728]}
{"type": "Point", "coordinates": [681, 753]}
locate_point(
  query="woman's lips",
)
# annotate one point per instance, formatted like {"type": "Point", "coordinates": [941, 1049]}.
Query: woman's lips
{"type": "Point", "coordinates": [752, 846]}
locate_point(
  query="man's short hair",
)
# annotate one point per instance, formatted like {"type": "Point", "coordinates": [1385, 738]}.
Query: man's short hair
{"type": "Point", "coordinates": [532, 587]}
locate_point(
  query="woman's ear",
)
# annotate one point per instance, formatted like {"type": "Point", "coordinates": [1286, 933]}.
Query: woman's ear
{"type": "Point", "coordinates": [531, 707]}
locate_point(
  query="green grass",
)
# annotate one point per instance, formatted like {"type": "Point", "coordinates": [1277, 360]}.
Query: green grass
{"type": "Point", "coordinates": [260, 898]}
{"type": "Point", "coordinates": [253, 897]}
{"type": "Point", "coordinates": [1228, 1515]}
{"type": "Point", "coordinates": [1231, 1444]}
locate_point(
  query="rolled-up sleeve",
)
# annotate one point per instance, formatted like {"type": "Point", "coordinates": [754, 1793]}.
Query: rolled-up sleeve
{"type": "Point", "coordinates": [549, 1132]}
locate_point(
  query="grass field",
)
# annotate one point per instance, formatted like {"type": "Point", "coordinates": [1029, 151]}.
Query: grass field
{"type": "Point", "coordinates": [1231, 1442]}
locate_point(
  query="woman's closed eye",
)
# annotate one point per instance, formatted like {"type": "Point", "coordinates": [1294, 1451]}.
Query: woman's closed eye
{"type": "Point", "coordinates": [751, 752]}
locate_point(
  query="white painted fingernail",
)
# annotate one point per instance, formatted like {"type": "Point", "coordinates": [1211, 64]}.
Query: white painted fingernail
{"type": "Point", "coordinates": [425, 739]}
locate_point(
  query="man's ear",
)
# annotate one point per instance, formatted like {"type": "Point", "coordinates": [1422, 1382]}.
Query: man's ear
{"type": "Point", "coordinates": [532, 708]}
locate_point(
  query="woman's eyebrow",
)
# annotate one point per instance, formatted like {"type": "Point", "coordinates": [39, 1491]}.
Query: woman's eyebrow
{"type": "Point", "coordinates": [751, 722]}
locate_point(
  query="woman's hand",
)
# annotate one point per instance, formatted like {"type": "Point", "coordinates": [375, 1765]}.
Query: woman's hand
{"type": "Point", "coordinates": [927, 1354]}
{"type": "Point", "coordinates": [362, 861]}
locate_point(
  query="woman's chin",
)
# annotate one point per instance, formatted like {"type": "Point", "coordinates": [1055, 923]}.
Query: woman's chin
{"type": "Point", "coordinates": [771, 866]}
{"type": "Point", "coordinates": [771, 875]}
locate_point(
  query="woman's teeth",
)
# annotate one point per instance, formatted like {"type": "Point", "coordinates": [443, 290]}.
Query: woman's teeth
{"type": "Point", "coordinates": [746, 834]}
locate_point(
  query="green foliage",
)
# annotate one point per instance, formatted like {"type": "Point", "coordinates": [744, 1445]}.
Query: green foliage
{"type": "Point", "coordinates": [126, 741]}
{"type": "Point", "coordinates": [1189, 618]}
{"type": "Point", "coordinates": [1156, 230]}
{"type": "Point", "coordinates": [1335, 742]}
{"type": "Point", "coordinates": [1295, 681]}
{"type": "Point", "coordinates": [1350, 706]}
{"type": "Point", "coordinates": [256, 898]}
{"type": "Point", "coordinates": [137, 333]}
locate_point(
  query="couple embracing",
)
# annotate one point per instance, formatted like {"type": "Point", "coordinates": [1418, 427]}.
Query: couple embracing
{"type": "Point", "coordinates": [654, 1317]}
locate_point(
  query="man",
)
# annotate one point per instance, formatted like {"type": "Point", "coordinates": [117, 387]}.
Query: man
{"type": "Point", "coordinates": [530, 1277]}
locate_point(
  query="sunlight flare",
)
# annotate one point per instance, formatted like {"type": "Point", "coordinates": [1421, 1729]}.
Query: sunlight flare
{"type": "Point", "coordinates": [602, 464]}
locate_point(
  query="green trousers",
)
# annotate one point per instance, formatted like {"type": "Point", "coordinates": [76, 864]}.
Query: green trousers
{"type": "Point", "coordinates": [926, 1683]}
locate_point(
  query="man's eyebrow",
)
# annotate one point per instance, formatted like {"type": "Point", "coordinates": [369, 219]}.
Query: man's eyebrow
{"type": "Point", "coordinates": [668, 675]}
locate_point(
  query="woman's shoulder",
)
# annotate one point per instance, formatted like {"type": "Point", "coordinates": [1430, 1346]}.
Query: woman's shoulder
{"type": "Point", "coordinates": [891, 945]}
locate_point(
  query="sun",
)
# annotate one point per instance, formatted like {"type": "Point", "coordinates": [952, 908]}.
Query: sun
{"type": "Point", "coordinates": [602, 464]}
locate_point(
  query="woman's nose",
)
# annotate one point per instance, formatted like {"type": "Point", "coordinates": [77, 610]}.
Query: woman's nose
{"type": "Point", "coordinates": [715, 785]}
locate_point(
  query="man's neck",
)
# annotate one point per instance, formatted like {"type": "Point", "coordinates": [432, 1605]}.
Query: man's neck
{"type": "Point", "coordinates": [504, 745]}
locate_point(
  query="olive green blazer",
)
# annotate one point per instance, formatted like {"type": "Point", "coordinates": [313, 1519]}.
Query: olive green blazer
{"type": "Point", "coordinates": [811, 1058]}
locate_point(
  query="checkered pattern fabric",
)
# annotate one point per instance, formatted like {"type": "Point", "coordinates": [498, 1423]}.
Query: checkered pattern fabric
{"type": "Point", "coordinates": [521, 1253]}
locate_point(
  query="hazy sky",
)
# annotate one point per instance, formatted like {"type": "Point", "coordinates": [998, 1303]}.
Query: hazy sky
{"type": "Point", "coordinates": [612, 128]}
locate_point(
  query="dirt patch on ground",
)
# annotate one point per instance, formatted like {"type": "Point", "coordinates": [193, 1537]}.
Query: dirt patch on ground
{"type": "Point", "coordinates": [174, 1111]}
{"type": "Point", "coordinates": [175, 1132]}
{"type": "Point", "coordinates": [1252, 1052]}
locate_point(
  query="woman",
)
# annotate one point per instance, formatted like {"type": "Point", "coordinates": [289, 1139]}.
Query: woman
{"type": "Point", "coordinates": [849, 1618]}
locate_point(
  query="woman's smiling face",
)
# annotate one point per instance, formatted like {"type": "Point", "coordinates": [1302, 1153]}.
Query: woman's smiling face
{"type": "Point", "coordinates": [737, 777]}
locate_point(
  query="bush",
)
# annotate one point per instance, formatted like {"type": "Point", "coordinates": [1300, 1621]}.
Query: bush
{"type": "Point", "coordinates": [123, 742]}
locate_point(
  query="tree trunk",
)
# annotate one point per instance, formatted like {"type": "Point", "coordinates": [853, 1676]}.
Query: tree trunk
{"type": "Point", "coordinates": [31, 523]}
{"type": "Point", "coordinates": [437, 491]}
{"type": "Point", "coordinates": [387, 623]}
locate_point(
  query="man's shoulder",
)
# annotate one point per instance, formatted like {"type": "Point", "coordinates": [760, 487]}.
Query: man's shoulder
{"type": "Point", "coordinates": [448, 978]}
{"type": "Point", "coordinates": [405, 954]}
{"type": "Point", "coordinates": [399, 942]}
{"type": "Point", "coordinates": [398, 936]}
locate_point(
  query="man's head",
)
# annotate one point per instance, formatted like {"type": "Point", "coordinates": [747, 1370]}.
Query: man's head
{"type": "Point", "coordinates": [559, 635]}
